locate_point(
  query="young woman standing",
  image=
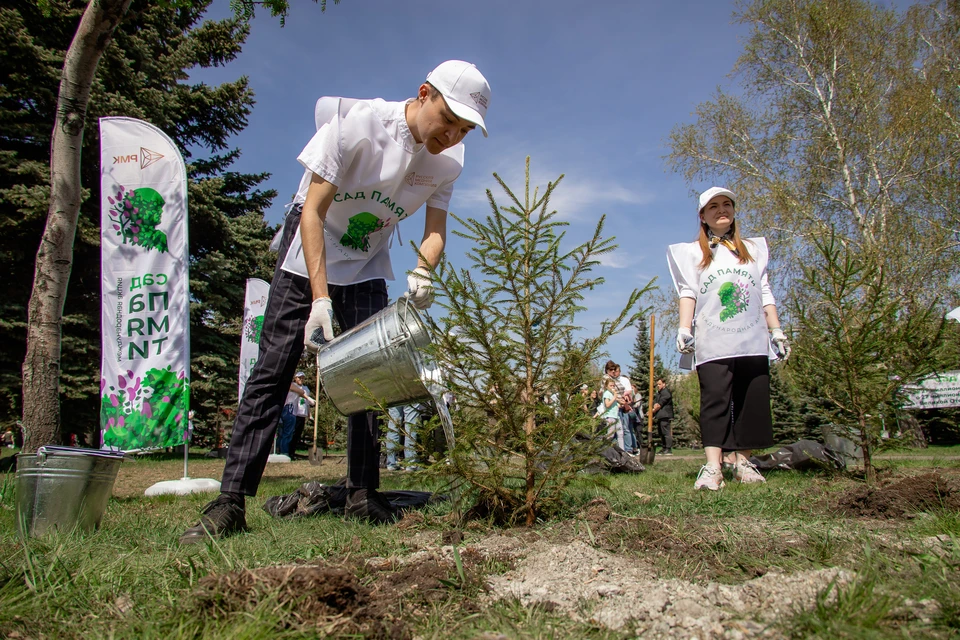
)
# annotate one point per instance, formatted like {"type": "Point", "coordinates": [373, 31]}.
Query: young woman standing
{"type": "Point", "coordinates": [721, 282]}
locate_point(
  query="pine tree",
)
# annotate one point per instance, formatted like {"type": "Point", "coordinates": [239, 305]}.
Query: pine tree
{"type": "Point", "coordinates": [864, 339]}
{"type": "Point", "coordinates": [795, 414]}
{"type": "Point", "coordinates": [506, 342]}
{"type": "Point", "coordinates": [142, 74]}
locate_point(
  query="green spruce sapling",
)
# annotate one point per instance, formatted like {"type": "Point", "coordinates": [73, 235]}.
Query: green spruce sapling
{"type": "Point", "coordinates": [514, 357]}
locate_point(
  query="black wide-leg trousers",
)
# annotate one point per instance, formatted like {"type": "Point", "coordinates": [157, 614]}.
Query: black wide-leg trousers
{"type": "Point", "coordinates": [735, 403]}
{"type": "Point", "coordinates": [281, 345]}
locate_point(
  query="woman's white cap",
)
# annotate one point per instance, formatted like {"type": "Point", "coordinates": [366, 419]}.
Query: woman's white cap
{"type": "Point", "coordinates": [464, 88]}
{"type": "Point", "coordinates": [712, 193]}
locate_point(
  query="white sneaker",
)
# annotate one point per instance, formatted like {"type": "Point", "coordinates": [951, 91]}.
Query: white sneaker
{"type": "Point", "coordinates": [709, 478]}
{"type": "Point", "coordinates": [746, 472]}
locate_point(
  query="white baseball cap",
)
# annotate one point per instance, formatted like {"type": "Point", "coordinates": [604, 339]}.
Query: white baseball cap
{"type": "Point", "coordinates": [712, 193]}
{"type": "Point", "coordinates": [300, 374]}
{"type": "Point", "coordinates": [464, 88]}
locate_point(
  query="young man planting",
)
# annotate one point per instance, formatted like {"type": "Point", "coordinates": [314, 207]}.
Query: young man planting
{"type": "Point", "coordinates": [371, 164]}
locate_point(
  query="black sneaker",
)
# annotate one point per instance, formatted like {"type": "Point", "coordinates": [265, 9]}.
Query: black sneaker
{"type": "Point", "coordinates": [370, 505]}
{"type": "Point", "coordinates": [221, 517]}
{"type": "Point", "coordinates": [666, 452]}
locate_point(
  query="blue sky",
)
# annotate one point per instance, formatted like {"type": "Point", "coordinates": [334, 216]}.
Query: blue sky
{"type": "Point", "coordinates": [589, 90]}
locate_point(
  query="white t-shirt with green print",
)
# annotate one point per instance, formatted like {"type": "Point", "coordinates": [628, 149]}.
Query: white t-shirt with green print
{"type": "Point", "coordinates": [730, 297]}
{"type": "Point", "coordinates": [382, 175]}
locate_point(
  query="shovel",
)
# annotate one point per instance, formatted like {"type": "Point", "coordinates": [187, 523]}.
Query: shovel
{"type": "Point", "coordinates": [316, 455]}
{"type": "Point", "coordinates": [647, 452]}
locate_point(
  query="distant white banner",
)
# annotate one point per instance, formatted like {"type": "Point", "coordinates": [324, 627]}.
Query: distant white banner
{"type": "Point", "coordinates": [938, 391]}
{"type": "Point", "coordinates": [253, 309]}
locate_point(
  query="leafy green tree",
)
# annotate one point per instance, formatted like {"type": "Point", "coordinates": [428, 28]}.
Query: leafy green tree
{"type": "Point", "coordinates": [848, 122]}
{"type": "Point", "coordinates": [142, 74]}
{"type": "Point", "coordinates": [506, 343]}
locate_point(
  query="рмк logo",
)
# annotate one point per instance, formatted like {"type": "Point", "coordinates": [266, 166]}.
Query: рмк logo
{"type": "Point", "coordinates": [146, 157]}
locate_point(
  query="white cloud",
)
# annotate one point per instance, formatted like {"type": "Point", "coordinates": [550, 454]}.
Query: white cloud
{"type": "Point", "coordinates": [618, 259]}
{"type": "Point", "coordinates": [575, 199]}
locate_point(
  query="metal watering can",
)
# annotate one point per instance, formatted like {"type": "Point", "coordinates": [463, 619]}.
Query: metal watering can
{"type": "Point", "coordinates": [383, 353]}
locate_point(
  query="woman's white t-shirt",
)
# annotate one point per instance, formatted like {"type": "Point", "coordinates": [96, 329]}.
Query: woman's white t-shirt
{"type": "Point", "coordinates": [383, 176]}
{"type": "Point", "coordinates": [730, 297]}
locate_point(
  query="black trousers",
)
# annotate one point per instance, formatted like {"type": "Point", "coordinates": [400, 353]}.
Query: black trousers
{"type": "Point", "coordinates": [281, 345]}
{"type": "Point", "coordinates": [665, 427]}
{"type": "Point", "coordinates": [735, 403]}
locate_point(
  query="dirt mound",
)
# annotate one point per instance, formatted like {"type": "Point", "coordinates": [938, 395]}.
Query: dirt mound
{"type": "Point", "coordinates": [903, 498]}
{"type": "Point", "coordinates": [323, 597]}
{"type": "Point", "coordinates": [330, 600]}
{"type": "Point", "coordinates": [596, 511]}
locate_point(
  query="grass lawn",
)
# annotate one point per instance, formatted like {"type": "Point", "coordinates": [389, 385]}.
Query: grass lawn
{"type": "Point", "coordinates": [880, 564]}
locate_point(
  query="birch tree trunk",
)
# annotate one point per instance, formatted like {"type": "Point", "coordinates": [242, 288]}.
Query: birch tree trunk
{"type": "Point", "coordinates": [41, 368]}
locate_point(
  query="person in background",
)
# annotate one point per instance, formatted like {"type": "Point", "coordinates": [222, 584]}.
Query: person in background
{"type": "Point", "coordinates": [585, 402]}
{"type": "Point", "coordinates": [609, 411]}
{"type": "Point", "coordinates": [663, 414]}
{"type": "Point", "coordinates": [301, 413]}
{"type": "Point", "coordinates": [639, 414]}
{"type": "Point", "coordinates": [625, 402]}
{"type": "Point", "coordinates": [721, 282]}
{"type": "Point", "coordinates": [288, 417]}
{"type": "Point", "coordinates": [403, 424]}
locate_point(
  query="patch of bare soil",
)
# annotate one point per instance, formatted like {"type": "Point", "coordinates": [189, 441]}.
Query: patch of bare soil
{"type": "Point", "coordinates": [626, 594]}
{"type": "Point", "coordinates": [902, 498]}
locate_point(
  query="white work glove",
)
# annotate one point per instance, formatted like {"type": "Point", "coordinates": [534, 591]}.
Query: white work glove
{"type": "Point", "coordinates": [311, 402]}
{"type": "Point", "coordinates": [781, 346]}
{"type": "Point", "coordinates": [419, 288]}
{"type": "Point", "coordinates": [319, 327]}
{"type": "Point", "coordinates": [685, 340]}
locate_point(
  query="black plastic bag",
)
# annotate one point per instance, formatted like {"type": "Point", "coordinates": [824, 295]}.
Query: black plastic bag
{"type": "Point", "coordinates": [315, 498]}
{"type": "Point", "coordinates": [804, 454]}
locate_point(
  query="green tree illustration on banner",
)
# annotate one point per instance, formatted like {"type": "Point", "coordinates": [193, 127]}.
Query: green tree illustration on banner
{"type": "Point", "coordinates": [136, 214]}
{"type": "Point", "coordinates": [144, 413]}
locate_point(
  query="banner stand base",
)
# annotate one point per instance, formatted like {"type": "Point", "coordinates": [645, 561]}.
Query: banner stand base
{"type": "Point", "coordinates": [278, 457]}
{"type": "Point", "coordinates": [183, 486]}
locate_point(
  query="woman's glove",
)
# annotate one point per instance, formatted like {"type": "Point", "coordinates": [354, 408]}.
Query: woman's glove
{"type": "Point", "coordinates": [311, 402]}
{"type": "Point", "coordinates": [685, 340]}
{"type": "Point", "coordinates": [319, 327]}
{"type": "Point", "coordinates": [419, 288]}
{"type": "Point", "coordinates": [781, 346]}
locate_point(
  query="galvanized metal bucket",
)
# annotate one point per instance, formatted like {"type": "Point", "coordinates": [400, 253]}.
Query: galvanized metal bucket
{"type": "Point", "coordinates": [64, 488]}
{"type": "Point", "coordinates": [383, 353]}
